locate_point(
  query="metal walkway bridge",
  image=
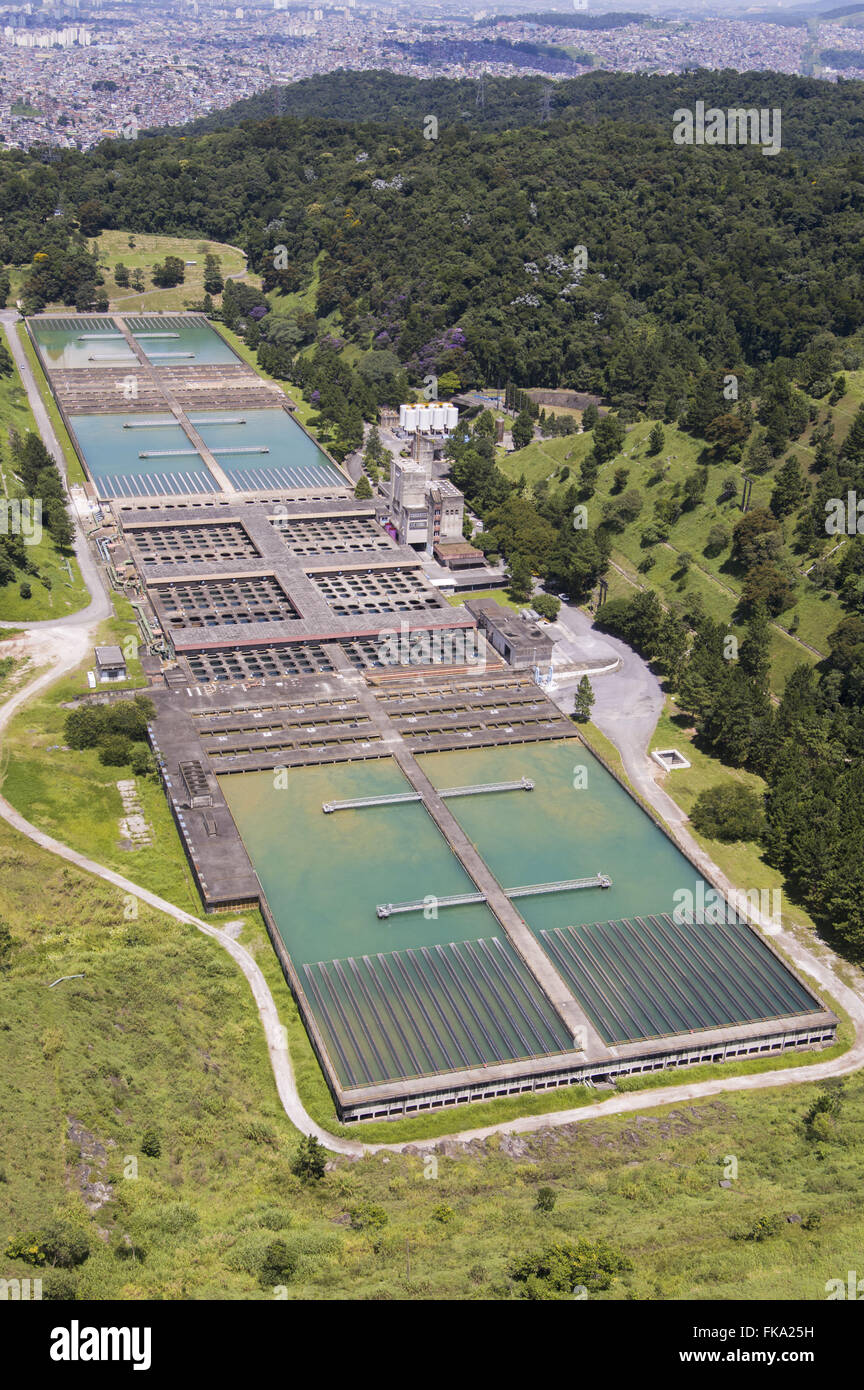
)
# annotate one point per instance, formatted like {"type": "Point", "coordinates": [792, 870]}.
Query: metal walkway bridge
{"type": "Point", "coordinates": [476, 789]}
{"type": "Point", "coordinates": [530, 890]}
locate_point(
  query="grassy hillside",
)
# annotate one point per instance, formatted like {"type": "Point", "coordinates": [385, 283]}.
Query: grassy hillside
{"type": "Point", "coordinates": [814, 614]}
{"type": "Point", "coordinates": [159, 1036]}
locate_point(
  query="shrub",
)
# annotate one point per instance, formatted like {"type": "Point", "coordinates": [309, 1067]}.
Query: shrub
{"type": "Point", "coordinates": [367, 1216]}
{"type": "Point", "coordinates": [65, 1245]}
{"type": "Point", "coordinates": [545, 1199]}
{"type": "Point", "coordinates": [59, 1286]}
{"type": "Point", "coordinates": [443, 1214]}
{"type": "Point", "coordinates": [24, 589]}
{"type": "Point", "coordinates": [260, 1133]}
{"type": "Point", "coordinates": [561, 1266]}
{"type": "Point", "coordinates": [762, 1229]}
{"type": "Point", "coordinates": [140, 760]}
{"type": "Point", "coordinates": [115, 750]}
{"type": "Point", "coordinates": [151, 1143]}
{"type": "Point", "coordinates": [310, 1160]}
{"type": "Point", "coordinates": [547, 605]}
{"type": "Point", "coordinates": [26, 1247]}
{"type": "Point", "coordinates": [279, 1263]}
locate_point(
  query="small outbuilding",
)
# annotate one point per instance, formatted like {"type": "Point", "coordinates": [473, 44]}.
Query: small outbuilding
{"type": "Point", "coordinates": [110, 665]}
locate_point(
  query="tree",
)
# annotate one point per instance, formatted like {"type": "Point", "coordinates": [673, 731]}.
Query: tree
{"type": "Point", "coordinates": [545, 1199]}
{"type": "Point", "coordinates": [213, 281]}
{"type": "Point", "coordinates": [115, 750]}
{"type": "Point", "coordinates": [121, 275]}
{"type": "Point", "coordinates": [363, 490]}
{"type": "Point", "coordinates": [310, 1159]}
{"type": "Point", "coordinates": [717, 540]}
{"type": "Point", "coordinates": [521, 580]}
{"type": "Point", "coordinates": [729, 812]}
{"type": "Point", "coordinates": [583, 700]}
{"type": "Point", "coordinates": [547, 605]}
{"type": "Point", "coordinates": [609, 435]}
{"type": "Point", "coordinates": [523, 430]}
{"type": "Point", "coordinates": [656, 440]}
{"type": "Point", "coordinates": [789, 488]}
{"type": "Point", "coordinates": [754, 656]}
{"type": "Point", "coordinates": [169, 272]}
{"type": "Point", "coordinates": [590, 416]}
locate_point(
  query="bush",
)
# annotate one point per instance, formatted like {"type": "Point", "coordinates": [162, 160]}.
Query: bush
{"type": "Point", "coordinates": [717, 540]}
{"type": "Point", "coordinates": [115, 751]}
{"type": "Point", "coordinates": [278, 1264]}
{"type": "Point", "coordinates": [151, 1143]}
{"type": "Point", "coordinates": [547, 605]}
{"type": "Point", "coordinates": [545, 1199]}
{"type": "Point", "coordinates": [65, 1245]}
{"type": "Point", "coordinates": [59, 1286]}
{"type": "Point", "coordinates": [762, 1229]}
{"type": "Point", "coordinates": [443, 1214]}
{"type": "Point", "coordinates": [310, 1160]}
{"type": "Point", "coordinates": [24, 589]}
{"type": "Point", "coordinates": [561, 1267]}
{"type": "Point", "coordinates": [140, 760]}
{"type": "Point", "coordinates": [729, 813]}
{"type": "Point", "coordinates": [367, 1216]}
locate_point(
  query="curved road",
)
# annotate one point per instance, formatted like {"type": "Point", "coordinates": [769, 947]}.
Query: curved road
{"type": "Point", "coordinates": [628, 714]}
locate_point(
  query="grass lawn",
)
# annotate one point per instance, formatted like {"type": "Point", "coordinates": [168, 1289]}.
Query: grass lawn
{"type": "Point", "coordinates": [499, 595]}
{"type": "Point", "coordinates": [113, 247]}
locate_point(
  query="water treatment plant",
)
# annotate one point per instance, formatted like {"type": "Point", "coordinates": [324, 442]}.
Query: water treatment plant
{"type": "Point", "coordinates": [465, 901]}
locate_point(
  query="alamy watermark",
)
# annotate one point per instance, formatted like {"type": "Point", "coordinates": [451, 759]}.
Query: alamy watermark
{"type": "Point", "coordinates": [461, 646]}
{"type": "Point", "coordinates": [844, 516]}
{"type": "Point", "coordinates": [736, 126]}
{"type": "Point", "coordinates": [21, 516]}
{"type": "Point", "coordinates": [713, 907]}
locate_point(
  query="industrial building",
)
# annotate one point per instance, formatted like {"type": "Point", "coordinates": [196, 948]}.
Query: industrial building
{"type": "Point", "coordinates": [376, 769]}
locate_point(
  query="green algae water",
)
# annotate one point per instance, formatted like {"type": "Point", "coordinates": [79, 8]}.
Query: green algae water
{"type": "Point", "coordinates": [578, 821]}
{"type": "Point", "coordinates": [438, 990]}
{"type": "Point", "coordinates": [324, 875]}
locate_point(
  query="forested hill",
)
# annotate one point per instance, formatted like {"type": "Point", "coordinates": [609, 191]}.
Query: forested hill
{"type": "Point", "coordinates": [718, 253]}
{"type": "Point", "coordinates": [818, 117]}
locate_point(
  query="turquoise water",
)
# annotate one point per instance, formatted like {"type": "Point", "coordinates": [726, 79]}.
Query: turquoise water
{"type": "Point", "coordinates": [323, 876]}
{"type": "Point", "coordinates": [572, 825]}
{"type": "Point", "coordinates": [293, 459]}
{"type": "Point", "coordinates": [97, 341]}
{"type": "Point", "coordinates": [207, 347]}
{"type": "Point", "coordinates": [69, 344]}
{"type": "Point", "coordinates": [111, 454]}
